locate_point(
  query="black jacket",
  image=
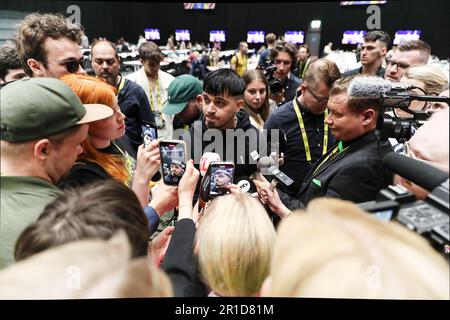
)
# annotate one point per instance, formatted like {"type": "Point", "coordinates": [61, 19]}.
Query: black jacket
{"type": "Point", "coordinates": [356, 174]}
{"type": "Point", "coordinates": [245, 165]}
{"type": "Point", "coordinates": [135, 106]}
{"type": "Point", "coordinates": [179, 262]}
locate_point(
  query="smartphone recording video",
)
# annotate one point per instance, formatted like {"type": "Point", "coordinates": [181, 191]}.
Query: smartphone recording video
{"type": "Point", "coordinates": [173, 160]}
{"type": "Point", "coordinates": [221, 177]}
{"type": "Point", "coordinates": [149, 132]}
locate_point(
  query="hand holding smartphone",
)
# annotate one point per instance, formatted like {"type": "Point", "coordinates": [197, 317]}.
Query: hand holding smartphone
{"type": "Point", "coordinates": [222, 174]}
{"type": "Point", "coordinates": [149, 132]}
{"type": "Point", "coordinates": [173, 160]}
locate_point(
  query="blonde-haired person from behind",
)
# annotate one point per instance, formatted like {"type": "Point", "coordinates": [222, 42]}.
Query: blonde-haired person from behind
{"type": "Point", "coordinates": [341, 251]}
{"type": "Point", "coordinates": [85, 269]}
{"type": "Point", "coordinates": [234, 243]}
{"type": "Point", "coordinates": [431, 79]}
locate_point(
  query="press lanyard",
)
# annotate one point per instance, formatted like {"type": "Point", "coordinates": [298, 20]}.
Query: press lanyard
{"type": "Point", "coordinates": [158, 96]}
{"type": "Point", "coordinates": [304, 69]}
{"type": "Point", "coordinates": [303, 131]}
{"type": "Point", "coordinates": [121, 85]}
{"type": "Point", "coordinates": [338, 149]}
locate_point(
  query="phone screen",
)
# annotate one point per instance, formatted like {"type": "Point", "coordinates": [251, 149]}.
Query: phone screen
{"type": "Point", "coordinates": [149, 133]}
{"type": "Point", "coordinates": [173, 161]}
{"type": "Point", "coordinates": [221, 177]}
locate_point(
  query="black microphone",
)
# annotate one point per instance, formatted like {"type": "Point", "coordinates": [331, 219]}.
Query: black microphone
{"type": "Point", "coordinates": [422, 174]}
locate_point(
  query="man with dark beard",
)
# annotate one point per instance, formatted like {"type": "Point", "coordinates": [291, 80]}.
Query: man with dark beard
{"type": "Point", "coordinates": [224, 128]}
{"type": "Point", "coordinates": [131, 97]}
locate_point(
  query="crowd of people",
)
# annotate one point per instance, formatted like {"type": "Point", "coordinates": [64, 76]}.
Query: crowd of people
{"type": "Point", "coordinates": [81, 190]}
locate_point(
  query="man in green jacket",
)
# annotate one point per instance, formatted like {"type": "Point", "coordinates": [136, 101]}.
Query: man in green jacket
{"type": "Point", "coordinates": [42, 126]}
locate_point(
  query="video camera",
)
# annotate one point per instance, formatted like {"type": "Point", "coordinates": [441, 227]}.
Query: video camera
{"type": "Point", "coordinates": [429, 218]}
{"type": "Point", "coordinates": [275, 85]}
{"type": "Point", "coordinates": [393, 95]}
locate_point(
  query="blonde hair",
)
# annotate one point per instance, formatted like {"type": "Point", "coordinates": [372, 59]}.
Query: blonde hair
{"type": "Point", "coordinates": [82, 269]}
{"type": "Point", "coordinates": [235, 240]}
{"type": "Point", "coordinates": [432, 76]}
{"type": "Point", "coordinates": [343, 252]}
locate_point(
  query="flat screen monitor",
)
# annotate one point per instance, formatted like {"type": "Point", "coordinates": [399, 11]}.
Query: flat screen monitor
{"type": "Point", "coordinates": [255, 36]}
{"type": "Point", "coordinates": [406, 35]}
{"type": "Point", "coordinates": [152, 34]}
{"type": "Point", "coordinates": [199, 6]}
{"type": "Point", "coordinates": [182, 35]}
{"type": "Point", "coordinates": [353, 36]}
{"type": "Point", "coordinates": [217, 36]}
{"type": "Point", "coordinates": [294, 36]}
{"type": "Point", "coordinates": [362, 3]}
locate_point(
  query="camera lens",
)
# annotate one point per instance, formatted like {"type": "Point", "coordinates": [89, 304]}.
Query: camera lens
{"type": "Point", "coordinates": [399, 129]}
{"type": "Point", "coordinates": [275, 86]}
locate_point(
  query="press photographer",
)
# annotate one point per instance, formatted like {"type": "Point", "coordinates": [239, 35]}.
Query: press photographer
{"type": "Point", "coordinates": [280, 66]}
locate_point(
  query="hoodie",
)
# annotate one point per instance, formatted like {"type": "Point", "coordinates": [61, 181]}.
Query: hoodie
{"type": "Point", "coordinates": [234, 145]}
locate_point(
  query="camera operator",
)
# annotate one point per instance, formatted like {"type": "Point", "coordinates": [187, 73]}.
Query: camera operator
{"type": "Point", "coordinates": [352, 169]}
{"type": "Point", "coordinates": [284, 56]}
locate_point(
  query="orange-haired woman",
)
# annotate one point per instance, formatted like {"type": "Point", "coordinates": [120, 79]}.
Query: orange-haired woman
{"type": "Point", "coordinates": [103, 156]}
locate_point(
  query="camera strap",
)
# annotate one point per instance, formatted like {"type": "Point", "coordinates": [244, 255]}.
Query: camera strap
{"type": "Point", "coordinates": [304, 135]}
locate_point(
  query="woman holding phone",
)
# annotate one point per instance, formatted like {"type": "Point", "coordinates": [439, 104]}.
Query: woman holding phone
{"type": "Point", "coordinates": [103, 156]}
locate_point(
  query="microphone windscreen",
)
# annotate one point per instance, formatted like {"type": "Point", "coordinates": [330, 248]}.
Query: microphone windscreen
{"type": "Point", "coordinates": [368, 87]}
{"type": "Point", "coordinates": [418, 172]}
{"type": "Point", "coordinates": [264, 163]}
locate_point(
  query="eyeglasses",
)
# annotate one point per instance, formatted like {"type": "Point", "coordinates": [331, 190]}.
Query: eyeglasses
{"type": "Point", "coordinates": [319, 99]}
{"type": "Point", "coordinates": [72, 66]}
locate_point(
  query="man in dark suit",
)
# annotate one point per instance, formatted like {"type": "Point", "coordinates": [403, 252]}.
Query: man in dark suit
{"type": "Point", "coordinates": [352, 170]}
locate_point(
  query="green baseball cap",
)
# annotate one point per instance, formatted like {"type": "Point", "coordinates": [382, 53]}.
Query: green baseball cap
{"type": "Point", "coordinates": [181, 90]}
{"type": "Point", "coordinates": [34, 108]}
